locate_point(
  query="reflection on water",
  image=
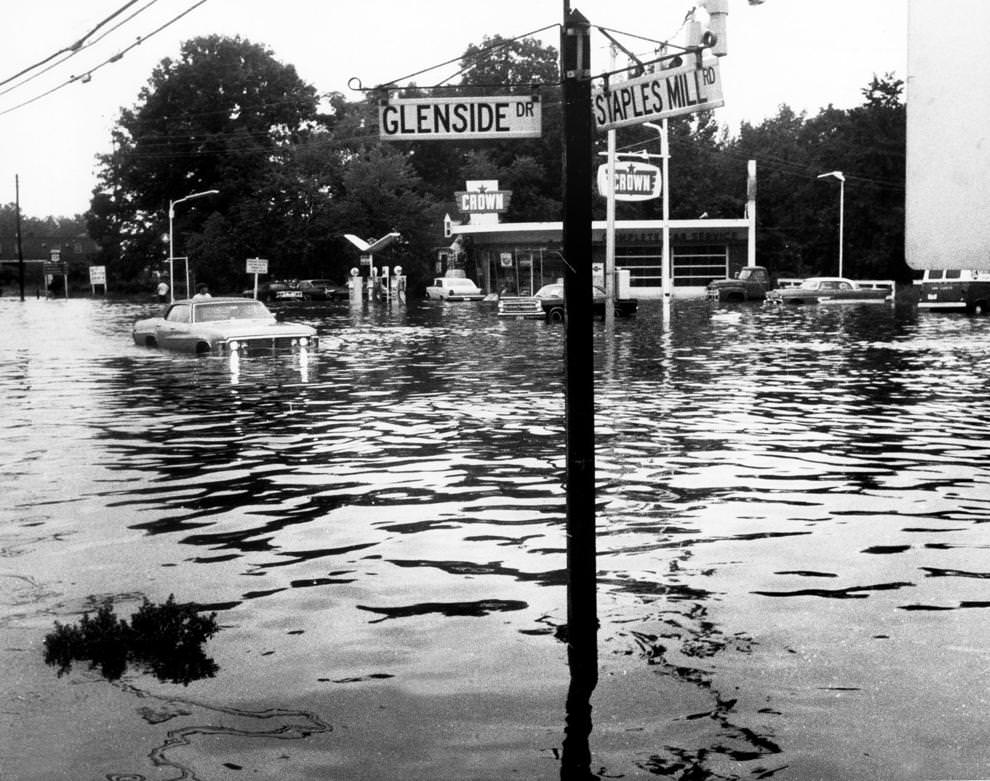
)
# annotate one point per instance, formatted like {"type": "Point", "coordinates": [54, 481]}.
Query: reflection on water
{"type": "Point", "coordinates": [790, 505]}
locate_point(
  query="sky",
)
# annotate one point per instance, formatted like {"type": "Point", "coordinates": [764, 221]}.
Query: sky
{"type": "Point", "coordinates": [806, 54]}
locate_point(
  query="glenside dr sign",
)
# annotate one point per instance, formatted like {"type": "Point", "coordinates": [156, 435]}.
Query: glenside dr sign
{"type": "Point", "coordinates": [665, 93]}
{"type": "Point", "coordinates": [460, 119]}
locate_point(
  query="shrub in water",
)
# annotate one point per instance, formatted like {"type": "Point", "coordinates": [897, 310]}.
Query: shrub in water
{"type": "Point", "coordinates": [165, 639]}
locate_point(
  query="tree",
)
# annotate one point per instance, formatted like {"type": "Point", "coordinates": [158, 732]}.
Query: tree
{"type": "Point", "coordinates": [224, 116]}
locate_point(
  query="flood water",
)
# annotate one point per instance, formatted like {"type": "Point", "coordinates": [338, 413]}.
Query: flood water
{"type": "Point", "coordinates": [793, 562]}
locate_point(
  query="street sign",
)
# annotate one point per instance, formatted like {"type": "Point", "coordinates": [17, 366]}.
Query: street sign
{"type": "Point", "coordinates": [97, 275]}
{"type": "Point", "coordinates": [460, 119]}
{"type": "Point", "coordinates": [633, 181]}
{"type": "Point", "coordinates": [665, 93]}
{"type": "Point", "coordinates": [257, 265]}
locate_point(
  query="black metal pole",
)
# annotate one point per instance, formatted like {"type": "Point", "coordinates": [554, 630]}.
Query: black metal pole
{"type": "Point", "coordinates": [582, 617]}
{"type": "Point", "coordinates": [20, 249]}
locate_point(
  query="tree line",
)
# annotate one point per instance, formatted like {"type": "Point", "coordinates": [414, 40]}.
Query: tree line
{"type": "Point", "coordinates": [295, 170]}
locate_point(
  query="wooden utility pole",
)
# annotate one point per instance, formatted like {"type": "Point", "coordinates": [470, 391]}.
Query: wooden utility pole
{"type": "Point", "coordinates": [20, 248]}
{"type": "Point", "coordinates": [582, 613]}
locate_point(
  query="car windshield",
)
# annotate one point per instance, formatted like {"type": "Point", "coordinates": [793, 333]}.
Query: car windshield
{"type": "Point", "coordinates": [231, 310]}
{"type": "Point", "coordinates": [319, 283]}
{"type": "Point", "coordinates": [812, 284]}
{"type": "Point", "coordinates": [550, 291]}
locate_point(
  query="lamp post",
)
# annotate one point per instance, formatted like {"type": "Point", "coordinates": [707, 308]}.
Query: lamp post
{"type": "Point", "coordinates": [665, 266]}
{"type": "Point", "coordinates": [171, 250]}
{"type": "Point", "coordinates": [842, 206]}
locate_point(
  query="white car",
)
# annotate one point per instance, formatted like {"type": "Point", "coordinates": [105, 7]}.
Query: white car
{"type": "Point", "coordinates": [454, 289]}
{"type": "Point", "coordinates": [223, 326]}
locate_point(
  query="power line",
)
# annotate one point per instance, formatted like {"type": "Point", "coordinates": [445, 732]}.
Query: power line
{"type": "Point", "coordinates": [72, 47]}
{"type": "Point", "coordinates": [114, 58]}
{"type": "Point", "coordinates": [73, 52]}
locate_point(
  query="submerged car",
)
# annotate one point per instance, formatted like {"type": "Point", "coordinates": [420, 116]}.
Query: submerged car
{"type": "Point", "coordinates": [833, 290]}
{"type": "Point", "coordinates": [222, 326]}
{"type": "Point", "coordinates": [323, 290]}
{"type": "Point", "coordinates": [454, 289]}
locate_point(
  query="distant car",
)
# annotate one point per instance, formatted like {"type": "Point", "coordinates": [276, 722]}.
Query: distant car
{"type": "Point", "coordinates": [222, 326]}
{"type": "Point", "coordinates": [454, 289]}
{"type": "Point", "coordinates": [548, 303]}
{"type": "Point", "coordinates": [323, 290]}
{"type": "Point", "coordinates": [750, 284]}
{"type": "Point", "coordinates": [833, 290]}
{"type": "Point", "coordinates": [274, 291]}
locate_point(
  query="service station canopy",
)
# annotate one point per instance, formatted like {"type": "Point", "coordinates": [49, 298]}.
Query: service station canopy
{"type": "Point", "coordinates": [664, 93]}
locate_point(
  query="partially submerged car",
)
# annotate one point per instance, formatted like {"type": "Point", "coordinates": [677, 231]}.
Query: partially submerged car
{"type": "Point", "coordinates": [966, 290]}
{"type": "Point", "coordinates": [834, 290]}
{"type": "Point", "coordinates": [547, 303]}
{"type": "Point", "coordinates": [222, 326]}
{"type": "Point", "coordinates": [751, 283]}
{"type": "Point", "coordinates": [454, 289]}
{"type": "Point", "coordinates": [323, 290]}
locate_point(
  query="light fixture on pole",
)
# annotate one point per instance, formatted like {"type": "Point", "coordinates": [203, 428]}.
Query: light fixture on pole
{"type": "Point", "coordinates": [171, 250]}
{"type": "Point", "coordinates": [842, 206]}
{"type": "Point", "coordinates": [665, 266]}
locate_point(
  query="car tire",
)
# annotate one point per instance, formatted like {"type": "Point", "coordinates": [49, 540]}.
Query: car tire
{"type": "Point", "coordinates": [555, 315]}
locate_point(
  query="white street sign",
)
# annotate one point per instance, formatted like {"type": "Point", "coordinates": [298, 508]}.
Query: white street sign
{"type": "Point", "coordinates": [424, 119]}
{"type": "Point", "coordinates": [257, 266]}
{"type": "Point", "coordinates": [665, 93]}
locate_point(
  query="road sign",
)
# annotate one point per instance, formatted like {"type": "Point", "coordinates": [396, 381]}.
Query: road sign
{"type": "Point", "coordinates": [460, 119]}
{"type": "Point", "coordinates": [257, 265]}
{"type": "Point", "coordinates": [665, 93]}
{"type": "Point", "coordinates": [97, 275]}
{"type": "Point", "coordinates": [633, 181]}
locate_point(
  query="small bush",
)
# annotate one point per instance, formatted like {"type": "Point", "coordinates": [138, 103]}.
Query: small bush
{"type": "Point", "coordinates": [165, 639]}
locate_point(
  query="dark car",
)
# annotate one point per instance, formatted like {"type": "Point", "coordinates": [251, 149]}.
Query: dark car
{"type": "Point", "coordinates": [750, 284]}
{"type": "Point", "coordinates": [323, 290]}
{"type": "Point", "coordinates": [274, 291]}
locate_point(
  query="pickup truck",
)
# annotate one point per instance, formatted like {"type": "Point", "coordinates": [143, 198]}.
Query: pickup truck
{"type": "Point", "coordinates": [750, 284]}
{"type": "Point", "coordinates": [548, 304]}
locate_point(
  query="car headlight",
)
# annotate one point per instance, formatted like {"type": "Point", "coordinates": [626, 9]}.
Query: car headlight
{"type": "Point", "coordinates": [303, 341]}
{"type": "Point", "coordinates": [234, 345]}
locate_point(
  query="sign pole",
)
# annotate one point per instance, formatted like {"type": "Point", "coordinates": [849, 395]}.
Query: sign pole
{"type": "Point", "coordinates": [579, 406]}
{"type": "Point", "coordinates": [610, 223]}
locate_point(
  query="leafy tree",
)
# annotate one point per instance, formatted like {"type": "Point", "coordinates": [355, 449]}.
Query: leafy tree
{"type": "Point", "coordinates": [224, 116]}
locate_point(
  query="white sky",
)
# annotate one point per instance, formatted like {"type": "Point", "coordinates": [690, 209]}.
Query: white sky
{"type": "Point", "coordinates": [805, 53]}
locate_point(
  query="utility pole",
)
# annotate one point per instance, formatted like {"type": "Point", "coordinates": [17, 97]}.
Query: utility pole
{"type": "Point", "coordinates": [582, 611]}
{"type": "Point", "coordinates": [20, 248]}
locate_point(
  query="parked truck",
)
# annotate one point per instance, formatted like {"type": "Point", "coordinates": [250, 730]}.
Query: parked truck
{"type": "Point", "coordinates": [750, 284]}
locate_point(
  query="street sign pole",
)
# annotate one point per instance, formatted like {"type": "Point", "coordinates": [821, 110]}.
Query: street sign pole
{"type": "Point", "coordinates": [582, 612]}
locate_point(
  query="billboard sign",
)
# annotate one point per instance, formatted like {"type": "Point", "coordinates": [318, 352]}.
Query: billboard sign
{"type": "Point", "coordinates": [633, 181]}
{"type": "Point", "coordinates": [482, 202]}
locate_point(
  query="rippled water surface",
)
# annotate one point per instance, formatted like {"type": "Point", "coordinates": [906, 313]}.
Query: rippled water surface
{"type": "Point", "coordinates": [793, 562]}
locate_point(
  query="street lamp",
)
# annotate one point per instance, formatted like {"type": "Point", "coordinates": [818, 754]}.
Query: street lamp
{"type": "Point", "coordinates": [665, 265]}
{"type": "Point", "coordinates": [842, 206]}
{"type": "Point", "coordinates": [171, 251]}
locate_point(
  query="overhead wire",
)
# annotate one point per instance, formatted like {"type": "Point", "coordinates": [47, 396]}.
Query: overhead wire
{"type": "Point", "coordinates": [112, 59]}
{"type": "Point", "coordinates": [71, 47]}
{"type": "Point", "coordinates": [73, 52]}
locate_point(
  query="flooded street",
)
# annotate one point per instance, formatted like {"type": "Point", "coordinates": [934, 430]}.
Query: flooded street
{"type": "Point", "coordinates": [793, 562]}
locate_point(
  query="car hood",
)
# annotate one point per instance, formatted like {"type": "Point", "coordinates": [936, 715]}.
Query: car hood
{"type": "Point", "coordinates": [241, 329]}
